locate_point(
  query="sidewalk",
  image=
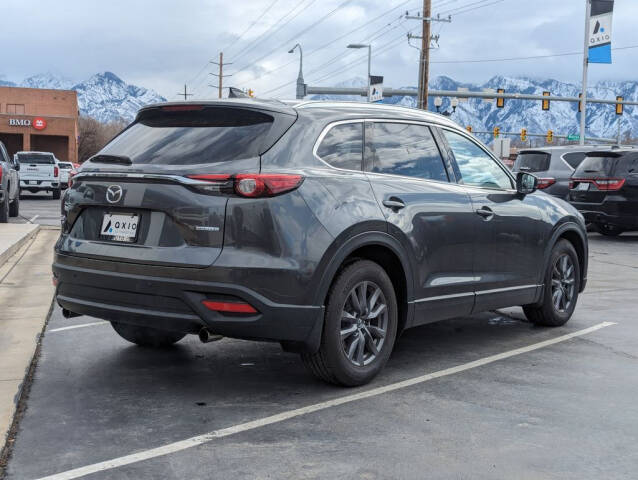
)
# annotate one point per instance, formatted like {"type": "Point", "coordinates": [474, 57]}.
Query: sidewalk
{"type": "Point", "coordinates": [13, 236]}
{"type": "Point", "coordinates": [26, 292]}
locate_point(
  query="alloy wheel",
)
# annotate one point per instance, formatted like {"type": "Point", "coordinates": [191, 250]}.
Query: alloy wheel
{"type": "Point", "coordinates": [364, 323]}
{"type": "Point", "coordinates": [563, 283]}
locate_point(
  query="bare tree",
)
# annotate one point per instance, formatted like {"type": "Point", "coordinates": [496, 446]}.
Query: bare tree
{"type": "Point", "coordinates": [94, 135]}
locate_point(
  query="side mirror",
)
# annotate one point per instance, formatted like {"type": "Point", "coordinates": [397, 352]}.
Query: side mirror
{"type": "Point", "coordinates": [16, 166]}
{"type": "Point", "coordinates": [526, 183]}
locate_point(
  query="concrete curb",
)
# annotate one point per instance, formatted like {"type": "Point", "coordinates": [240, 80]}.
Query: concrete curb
{"type": "Point", "coordinates": [13, 236]}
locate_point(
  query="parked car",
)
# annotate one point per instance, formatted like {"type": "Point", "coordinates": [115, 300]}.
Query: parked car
{"type": "Point", "coordinates": [553, 166]}
{"type": "Point", "coordinates": [604, 188]}
{"type": "Point", "coordinates": [267, 221]}
{"type": "Point", "coordinates": [40, 172]}
{"type": "Point", "coordinates": [65, 168]}
{"type": "Point", "coordinates": [9, 186]}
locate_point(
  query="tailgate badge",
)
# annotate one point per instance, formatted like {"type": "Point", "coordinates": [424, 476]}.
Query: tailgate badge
{"type": "Point", "coordinates": [114, 194]}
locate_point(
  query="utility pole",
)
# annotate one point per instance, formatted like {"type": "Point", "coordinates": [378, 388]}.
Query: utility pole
{"type": "Point", "coordinates": [424, 61]}
{"type": "Point", "coordinates": [583, 102]}
{"type": "Point", "coordinates": [185, 94]}
{"type": "Point", "coordinates": [220, 75]}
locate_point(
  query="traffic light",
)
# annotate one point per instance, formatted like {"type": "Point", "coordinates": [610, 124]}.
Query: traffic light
{"type": "Point", "coordinates": [500, 101]}
{"type": "Point", "coordinates": [550, 136]}
{"type": "Point", "coordinates": [580, 102]}
{"type": "Point", "coordinates": [251, 93]}
{"type": "Point", "coordinates": [497, 131]}
{"type": "Point", "coordinates": [546, 102]}
{"type": "Point", "coordinates": [469, 128]}
{"type": "Point", "coordinates": [523, 135]}
{"type": "Point", "coordinates": [619, 106]}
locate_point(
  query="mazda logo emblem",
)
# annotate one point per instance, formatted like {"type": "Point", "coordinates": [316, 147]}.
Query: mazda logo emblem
{"type": "Point", "coordinates": [114, 194]}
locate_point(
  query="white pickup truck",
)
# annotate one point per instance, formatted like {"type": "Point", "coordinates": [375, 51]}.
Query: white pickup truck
{"type": "Point", "coordinates": [39, 172]}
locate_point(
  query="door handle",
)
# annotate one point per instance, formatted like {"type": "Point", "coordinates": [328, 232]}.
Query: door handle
{"type": "Point", "coordinates": [394, 203]}
{"type": "Point", "coordinates": [486, 213]}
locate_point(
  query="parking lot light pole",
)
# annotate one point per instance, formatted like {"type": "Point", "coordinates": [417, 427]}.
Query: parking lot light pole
{"type": "Point", "coordinates": [301, 90]}
{"type": "Point", "coordinates": [369, 47]}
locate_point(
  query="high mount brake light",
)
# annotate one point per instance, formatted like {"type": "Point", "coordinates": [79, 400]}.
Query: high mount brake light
{"type": "Point", "coordinates": [604, 184]}
{"type": "Point", "coordinates": [182, 108]}
{"type": "Point", "coordinates": [253, 185]}
{"type": "Point", "coordinates": [545, 182]}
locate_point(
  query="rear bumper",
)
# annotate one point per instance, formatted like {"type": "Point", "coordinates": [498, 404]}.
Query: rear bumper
{"type": "Point", "coordinates": [610, 216]}
{"type": "Point", "coordinates": [176, 304]}
{"type": "Point", "coordinates": [41, 185]}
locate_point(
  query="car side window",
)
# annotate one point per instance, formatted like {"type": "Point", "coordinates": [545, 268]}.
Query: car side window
{"type": "Point", "coordinates": [403, 149]}
{"type": "Point", "coordinates": [475, 165]}
{"type": "Point", "coordinates": [342, 146]}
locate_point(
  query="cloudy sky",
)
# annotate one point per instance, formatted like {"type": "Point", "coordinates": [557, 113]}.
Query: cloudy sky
{"type": "Point", "coordinates": [162, 44]}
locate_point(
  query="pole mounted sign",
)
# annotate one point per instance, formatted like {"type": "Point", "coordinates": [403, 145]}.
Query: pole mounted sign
{"type": "Point", "coordinates": [600, 31]}
{"type": "Point", "coordinates": [375, 93]}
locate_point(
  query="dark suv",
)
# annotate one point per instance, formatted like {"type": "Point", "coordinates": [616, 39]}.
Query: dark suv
{"type": "Point", "coordinates": [327, 227]}
{"type": "Point", "coordinates": [604, 188]}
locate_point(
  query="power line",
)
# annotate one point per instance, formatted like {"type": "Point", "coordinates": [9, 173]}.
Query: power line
{"type": "Point", "coordinates": [477, 7]}
{"type": "Point", "coordinates": [297, 35]}
{"type": "Point", "coordinates": [254, 22]}
{"type": "Point", "coordinates": [533, 57]}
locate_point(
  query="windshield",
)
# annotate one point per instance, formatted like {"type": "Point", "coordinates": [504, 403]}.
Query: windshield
{"type": "Point", "coordinates": [38, 158]}
{"type": "Point", "coordinates": [532, 162]}
{"type": "Point", "coordinates": [195, 136]}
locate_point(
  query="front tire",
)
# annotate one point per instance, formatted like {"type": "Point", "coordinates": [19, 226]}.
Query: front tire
{"type": "Point", "coordinates": [560, 292]}
{"type": "Point", "coordinates": [609, 230]}
{"type": "Point", "coordinates": [146, 336]}
{"type": "Point", "coordinates": [360, 326]}
{"type": "Point", "coordinates": [4, 209]}
{"type": "Point", "coordinates": [14, 207]}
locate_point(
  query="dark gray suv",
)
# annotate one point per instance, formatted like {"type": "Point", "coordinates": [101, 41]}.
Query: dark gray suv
{"type": "Point", "coordinates": [327, 227]}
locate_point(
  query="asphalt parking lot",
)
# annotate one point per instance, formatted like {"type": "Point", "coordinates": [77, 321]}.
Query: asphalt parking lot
{"type": "Point", "coordinates": [488, 396]}
{"type": "Point", "coordinates": [38, 208]}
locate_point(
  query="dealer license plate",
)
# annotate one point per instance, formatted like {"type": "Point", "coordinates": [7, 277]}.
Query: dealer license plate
{"type": "Point", "coordinates": [583, 186]}
{"type": "Point", "coordinates": [120, 227]}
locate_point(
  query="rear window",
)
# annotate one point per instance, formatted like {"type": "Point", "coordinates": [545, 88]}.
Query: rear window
{"type": "Point", "coordinates": [37, 158]}
{"type": "Point", "coordinates": [65, 166]}
{"type": "Point", "coordinates": [532, 162]}
{"type": "Point", "coordinates": [574, 159]}
{"type": "Point", "coordinates": [596, 166]}
{"type": "Point", "coordinates": [203, 135]}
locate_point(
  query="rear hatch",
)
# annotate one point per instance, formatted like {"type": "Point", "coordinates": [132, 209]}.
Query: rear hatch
{"type": "Point", "coordinates": [532, 161]}
{"type": "Point", "coordinates": [37, 166]}
{"type": "Point", "coordinates": [157, 193]}
{"type": "Point", "coordinates": [599, 174]}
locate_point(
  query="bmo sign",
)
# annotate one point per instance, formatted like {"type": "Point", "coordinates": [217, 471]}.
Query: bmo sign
{"type": "Point", "coordinates": [38, 123]}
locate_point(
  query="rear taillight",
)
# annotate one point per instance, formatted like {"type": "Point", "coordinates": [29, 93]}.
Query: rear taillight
{"type": "Point", "coordinates": [56, 171]}
{"type": "Point", "coordinates": [254, 185]}
{"type": "Point", "coordinates": [72, 173]}
{"type": "Point", "coordinates": [545, 182]}
{"type": "Point", "coordinates": [604, 184]}
{"type": "Point", "coordinates": [229, 307]}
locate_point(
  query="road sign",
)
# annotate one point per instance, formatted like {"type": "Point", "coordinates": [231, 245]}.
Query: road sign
{"type": "Point", "coordinates": [376, 88]}
{"type": "Point", "coordinates": [573, 138]}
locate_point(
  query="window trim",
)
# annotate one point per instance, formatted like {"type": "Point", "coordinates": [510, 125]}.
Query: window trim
{"type": "Point", "coordinates": [452, 180]}
{"type": "Point", "coordinates": [487, 152]}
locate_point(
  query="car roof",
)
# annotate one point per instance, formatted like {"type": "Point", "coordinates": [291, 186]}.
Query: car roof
{"type": "Point", "coordinates": [36, 152]}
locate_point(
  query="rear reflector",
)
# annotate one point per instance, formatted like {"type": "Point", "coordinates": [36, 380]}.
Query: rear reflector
{"type": "Point", "coordinates": [545, 182]}
{"type": "Point", "coordinates": [604, 184]}
{"type": "Point", "coordinates": [255, 185]}
{"type": "Point", "coordinates": [230, 307]}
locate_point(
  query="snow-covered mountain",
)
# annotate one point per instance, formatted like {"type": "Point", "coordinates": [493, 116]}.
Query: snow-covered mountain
{"type": "Point", "coordinates": [562, 118]}
{"type": "Point", "coordinates": [104, 96]}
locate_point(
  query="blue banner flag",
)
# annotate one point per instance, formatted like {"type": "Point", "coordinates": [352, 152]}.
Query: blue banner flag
{"type": "Point", "coordinates": [600, 31]}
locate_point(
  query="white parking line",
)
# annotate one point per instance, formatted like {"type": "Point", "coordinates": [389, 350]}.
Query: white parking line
{"type": "Point", "coordinates": [280, 417]}
{"type": "Point", "coordinates": [61, 329]}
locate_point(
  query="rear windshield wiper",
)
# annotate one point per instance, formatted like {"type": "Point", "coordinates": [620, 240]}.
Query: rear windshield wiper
{"type": "Point", "coordinates": [524, 169]}
{"type": "Point", "coordinates": [122, 159]}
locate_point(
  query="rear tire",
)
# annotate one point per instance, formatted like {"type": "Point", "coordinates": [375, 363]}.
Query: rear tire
{"type": "Point", "coordinates": [353, 329]}
{"type": "Point", "coordinates": [4, 209]}
{"type": "Point", "coordinates": [14, 207]}
{"type": "Point", "coordinates": [56, 194]}
{"type": "Point", "coordinates": [609, 230]}
{"type": "Point", "coordinates": [560, 292]}
{"type": "Point", "coordinates": [146, 336]}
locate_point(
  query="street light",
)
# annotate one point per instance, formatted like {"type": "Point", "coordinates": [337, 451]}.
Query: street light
{"type": "Point", "coordinates": [301, 91]}
{"type": "Point", "coordinates": [438, 101]}
{"type": "Point", "coordinates": [369, 47]}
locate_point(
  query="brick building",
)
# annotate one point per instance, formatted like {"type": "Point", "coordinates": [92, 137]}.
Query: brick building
{"type": "Point", "coordinates": [40, 120]}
